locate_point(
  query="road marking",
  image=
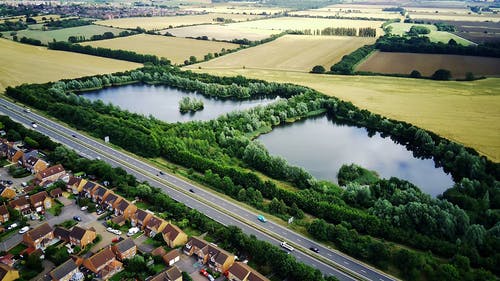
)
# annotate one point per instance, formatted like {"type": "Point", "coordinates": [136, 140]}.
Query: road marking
{"type": "Point", "coordinates": [346, 262]}
{"type": "Point", "coordinates": [363, 271]}
{"type": "Point", "coordinates": [329, 255]}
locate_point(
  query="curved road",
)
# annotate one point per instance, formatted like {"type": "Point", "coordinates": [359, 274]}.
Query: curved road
{"type": "Point", "coordinates": [206, 202]}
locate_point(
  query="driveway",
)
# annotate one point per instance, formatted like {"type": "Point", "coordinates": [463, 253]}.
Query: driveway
{"type": "Point", "coordinates": [16, 182]}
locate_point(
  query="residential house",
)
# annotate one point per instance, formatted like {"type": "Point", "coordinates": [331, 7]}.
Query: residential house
{"type": "Point", "coordinates": [140, 218]}
{"type": "Point", "coordinates": [81, 237]}
{"type": "Point", "coordinates": [218, 259]}
{"type": "Point", "coordinates": [99, 193]}
{"type": "Point", "coordinates": [4, 148]}
{"type": "Point", "coordinates": [103, 264]}
{"type": "Point", "coordinates": [242, 272]}
{"type": "Point", "coordinates": [126, 209]}
{"type": "Point", "coordinates": [21, 204]}
{"type": "Point", "coordinates": [27, 155]}
{"type": "Point", "coordinates": [8, 259]}
{"type": "Point", "coordinates": [88, 188]}
{"type": "Point", "coordinates": [159, 251]}
{"type": "Point", "coordinates": [110, 200]}
{"type": "Point", "coordinates": [4, 214]}
{"type": "Point", "coordinates": [194, 246]}
{"type": "Point", "coordinates": [61, 233]}
{"type": "Point", "coordinates": [7, 192]}
{"type": "Point", "coordinates": [8, 273]}
{"type": "Point", "coordinates": [171, 257]}
{"type": "Point", "coordinates": [66, 272]}
{"type": "Point", "coordinates": [174, 236]}
{"type": "Point", "coordinates": [119, 220]}
{"type": "Point", "coordinates": [171, 274]}
{"type": "Point", "coordinates": [56, 193]}
{"type": "Point", "coordinates": [154, 226]}
{"type": "Point", "coordinates": [125, 249]}
{"type": "Point", "coordinates": [75, 185]}
{"type": "Point", "coordinates": [14, 154]}
{"type": "Point", "coordinates": [39, 237]}
{"type": "Point", "coordinates": [40, 201]}
{"type": "Point", "coordinates": [35, 164]}
{"type": "Point", "coordinates": [51, 174]}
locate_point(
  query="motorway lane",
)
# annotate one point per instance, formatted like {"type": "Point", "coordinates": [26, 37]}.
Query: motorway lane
{"type": "Point", "coordinates": [288, 235]}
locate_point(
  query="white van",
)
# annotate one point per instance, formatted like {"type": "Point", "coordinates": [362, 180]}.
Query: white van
{"type": "Point", "coordinates": [286, 246]}
{"type": "Point", "coordinates": [132, 231]}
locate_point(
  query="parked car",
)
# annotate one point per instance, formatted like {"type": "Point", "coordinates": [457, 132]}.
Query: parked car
{"type": "Point", "coordinates": [100, 212]}
{"type": "Point", "coordinates": [24, 229]}
{"type": "Point", "coordinates": [12, 226]}
{"type": "Point", "coordinates": [132, 231]}
{"type": "Point", "coordinates": [114, 231]}
{"type": "Point", "coordinates": [261, 218]}
{"type": "Point", "coordinates": [84, 208]}
{"type": "Point", "coordinates": [203, 272]}
{"type": "Point", "coordinates": [77, 218]}
{"type": "Point", "coordinates": [210, 277]}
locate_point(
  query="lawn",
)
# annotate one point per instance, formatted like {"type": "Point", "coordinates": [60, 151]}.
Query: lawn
{"type": "Point", "coordinates": [291, 52]}
{"type": "Point", "coordinates": [399, 28]}
{"type": "Point", "coordinates": [158, 23]}
{"type": "Point", "coordinates": [23, 63]}
{"type": "Point", "coordinates": [62, 34]}
{"type": "Point", "coordinates": [18, 249]}
{"type": "Point", "coordinates": [173, 48]}
{"type": "Point", "coordinates": [466, 112]}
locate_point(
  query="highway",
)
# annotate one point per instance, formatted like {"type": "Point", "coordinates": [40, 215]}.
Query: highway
{"type": "Point", "coordinates": [204, 201]}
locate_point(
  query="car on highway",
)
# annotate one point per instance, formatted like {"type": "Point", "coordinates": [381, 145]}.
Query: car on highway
{"type": "Point", "coordinates": [24, 229]}
{"type": "Point", "coordinates": [77, 218]}
{"type": "Point", "coordinates": [73, 135]}
{"type": "Point", "coordinates": [261, 218]}
{"type": "Point", "coordinates": [34, 125]}
{"type": "Point", "coordinates": [191, 190]}
{"type": "Point", "coordinates": [27, 110]}
{"type": "Point", "coordinates": [161, 173]}
{"type": "Point", "coordinates": [314, 249]}
{"type": "Point", "coordinates": [286, 246]}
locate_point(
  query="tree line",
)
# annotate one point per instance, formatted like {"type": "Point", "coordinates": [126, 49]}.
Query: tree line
{"type": "Point", "coordinates": [217, 145]}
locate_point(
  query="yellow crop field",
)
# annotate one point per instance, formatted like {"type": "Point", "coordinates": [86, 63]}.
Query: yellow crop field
{"type": "Point", "coordinates": [221, 32]}
{"type": "Point", "coordinates": [29, 64]}
{"type": "Point", "coordinates": [452, 17]}
{"type": "Point", "coordinates": [350, 11]}
{"type": "Point", "coordinates": [298, 23]}
{"type": "Point", "coordinates": [466, 112]}
{"type": "Point", "coordinates": [236, 8]}
{"type": "Point", "coordinates": [173, 48]}
{"type": "Point", "coordinates": [291, 52]}
{"type": "Point", "coordinates": [158, 23]}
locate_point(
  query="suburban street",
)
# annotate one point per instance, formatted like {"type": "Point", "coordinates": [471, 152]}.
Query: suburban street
{"type": "Point", "coordinates": [204, 201]}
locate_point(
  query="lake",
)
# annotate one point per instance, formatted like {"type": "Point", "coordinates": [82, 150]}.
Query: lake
{"type": "Point", "coordinates": [322, 147]}
{"type": "Point", "coordinates": [162, 102]}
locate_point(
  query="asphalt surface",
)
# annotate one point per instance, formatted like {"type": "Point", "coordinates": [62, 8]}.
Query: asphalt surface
{"type": "Point", "coordinates": [239, 216]}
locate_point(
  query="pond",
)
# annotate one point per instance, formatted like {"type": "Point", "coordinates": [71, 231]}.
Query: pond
{"type": "Point", "coordinates": [162, 102]}
{"type": "Point", "coordinates": [322, 147]}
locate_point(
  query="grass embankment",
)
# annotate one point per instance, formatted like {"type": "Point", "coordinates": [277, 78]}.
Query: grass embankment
{"type": "Point", "coordinates": [466, 112]}
{"type": "Point", "coordinates": [29, 64]}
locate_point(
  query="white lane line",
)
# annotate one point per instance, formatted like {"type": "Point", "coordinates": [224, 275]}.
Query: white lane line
{"type": "Point", "coordinates": [346, 262]}
{"type": "Point", "coordinates": [363, 271]}
{"type": "Point", "coordinates": [329, 255]}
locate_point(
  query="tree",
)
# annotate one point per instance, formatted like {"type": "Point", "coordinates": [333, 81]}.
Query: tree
{"type": "Point", "coordinates": [469, 76]}
{"type": "Point", "coordinates": [31, 142]}
{"type": "Point", "coordinates": [441, 74]}
{"type": "Point", "coordinates": [409, 263]}
{"type": "Point", "coordinates": [318, 69]}
{"type": "Point", "coordinates": [192, 59]}
{"type": "Point", "coordinates": [415, 74]}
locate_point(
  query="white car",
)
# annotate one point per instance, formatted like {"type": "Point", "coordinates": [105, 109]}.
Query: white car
{"type": "Point", "coordinates": [114, 231]}
{"type": "Point", "coordinates": [24, 229]}
{"type": "Point", "coordinates": [12, 226]}
{"type": "Point", "coordinates": [84, 208]}
{"type": "Point", "coordinates": [132, 231]}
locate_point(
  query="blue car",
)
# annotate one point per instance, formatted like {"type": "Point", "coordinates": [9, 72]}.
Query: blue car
{"type": "Point", "coordinates": [261, 218]}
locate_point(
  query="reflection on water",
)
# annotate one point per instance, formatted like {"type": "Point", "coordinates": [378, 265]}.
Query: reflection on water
{"type": "Point", "coordinates": [322, 147]}
{"type": "Point", "coordinates": [162, 102]}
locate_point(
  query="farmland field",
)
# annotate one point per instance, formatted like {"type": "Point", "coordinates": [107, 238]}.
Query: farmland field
{"type": "Point", "coordinates": [466, 112]}
{"type": "Point", "coordinates": [237, 8]}
{"type": "Point", "coordinates": [297, 23]}
{"type": "Point", "coordinates": [23, 63]}
{"type": "Point", "coordinates": [291, 52]}
{"type": "Point", "coordinates": [350, 11]}
{"type": "Point", "coordinates": [158, 23]}
{"type": "Point", "coordinates": [62, 34]}
{"type": "Point", "coordinates": [451, 17]}
{"type": "Point", "coordinates": [434, 36]}
{"type": "Point", "coordinates": [427, 64]}
{"type": "Point", "coordinates": [37, 18]}
{"type": "Point", "coordinates": [221, 32]}
{"type": "Point", "coordinates": [173, 48]}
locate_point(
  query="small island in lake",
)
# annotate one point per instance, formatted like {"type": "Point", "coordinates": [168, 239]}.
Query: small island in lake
{"type": "Point", "coordinates": [188, 104]}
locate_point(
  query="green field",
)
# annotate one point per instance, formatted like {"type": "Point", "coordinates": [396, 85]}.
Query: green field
{"type": "Point", "coordinates": [466, 112]}
{"type": "Point", "coordinates": [62, 34]}
{"type": "Point", "coordinates": [399, 28]}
